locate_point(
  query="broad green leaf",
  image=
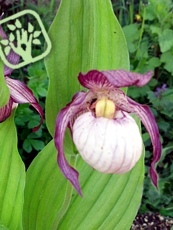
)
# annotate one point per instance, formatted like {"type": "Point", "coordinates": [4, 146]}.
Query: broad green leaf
{"type": "Point", "coordinates": [85, 35]}
{"type": "Point", "coordinates": [4, 91]}
{"type": "Point", "coordinates": [45, 200]}
{"type": "Point", "coordinates": [12, 179]}
{"type": "Point", "coordinates": [109, 201]}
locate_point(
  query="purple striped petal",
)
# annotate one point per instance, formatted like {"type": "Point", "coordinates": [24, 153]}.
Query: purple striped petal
{"type": "Point", "coordinates": [21, 94]}
{"type": "Point", "coordinates": [148, 120]}
{"type": "Point", "coordinates": [96, 80]}
{"type": "Point", "coordinates": [12, 57]}
{"type": "Point", "coordinates": [2, 33]}
{"type": "Point", "coordinates": [63, 119]}
{"type": "Point", "coordinates": [6, 110]}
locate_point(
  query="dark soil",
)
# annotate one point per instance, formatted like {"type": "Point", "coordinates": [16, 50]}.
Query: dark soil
{"type": "Point", "coordinates": [152, 221]}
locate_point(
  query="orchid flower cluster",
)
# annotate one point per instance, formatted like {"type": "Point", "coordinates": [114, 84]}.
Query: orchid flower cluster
{"type": "Point", "coordinates": [104, 132]}
{"type": "Point", "coordinates": [100, 121]}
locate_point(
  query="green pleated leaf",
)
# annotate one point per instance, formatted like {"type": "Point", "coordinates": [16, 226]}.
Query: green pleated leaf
{"type": "Point", "coordinates": [109, 201]}
{"type": "Point", "coordinates": [85, 35]}
{"type": "Point", "coordinates": [4, 91]}
{"type": "Point", "coordinates": [47, 193]}
{"type": "Point", "coordinates": [12, 178]}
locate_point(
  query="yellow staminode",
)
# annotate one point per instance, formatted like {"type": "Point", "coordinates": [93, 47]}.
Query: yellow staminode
{"type": "Point", "coordinates": [105, 108]}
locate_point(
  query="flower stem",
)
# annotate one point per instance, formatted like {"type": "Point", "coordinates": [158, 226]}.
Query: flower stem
{"type": "Point", "coordinates": [131, 11]}
{"type": "Point", "coordinates": [141, 32]}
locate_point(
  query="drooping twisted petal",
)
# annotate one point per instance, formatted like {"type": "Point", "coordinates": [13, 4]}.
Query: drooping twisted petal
{"type": "Point", "coordinates": [148, 120]}
{"type": "Point", "coordinates": [95, 79]}
{"type": "Point", "coordinates": [21, 94]}
{"type": "Point", "coordinates": [62, 121]}
{"type": "Point", "coordinates": [5, 111]}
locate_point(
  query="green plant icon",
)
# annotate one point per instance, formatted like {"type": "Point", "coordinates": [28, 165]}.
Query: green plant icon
{"type": "Point", "coordinates": [25, 39]}
{"type": "Point", "coordinates": [21, 39]}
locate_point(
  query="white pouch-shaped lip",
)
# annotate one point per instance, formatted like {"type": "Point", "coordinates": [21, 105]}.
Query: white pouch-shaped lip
{"type": "Point", "coordinates": [108, 145]}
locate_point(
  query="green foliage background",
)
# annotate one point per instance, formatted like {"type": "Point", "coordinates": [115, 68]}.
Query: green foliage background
{"type": "Point", "coordinates": [148, 27]}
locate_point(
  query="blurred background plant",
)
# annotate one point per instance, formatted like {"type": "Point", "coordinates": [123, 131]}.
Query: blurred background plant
{"type": "Point", "coordinates": [148, 28]}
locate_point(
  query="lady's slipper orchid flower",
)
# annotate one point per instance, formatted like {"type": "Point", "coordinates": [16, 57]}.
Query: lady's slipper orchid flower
{"type": "Point", "coordinates": [104, 133]}
{"type": "Point", "coordinates": [19, 92]}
